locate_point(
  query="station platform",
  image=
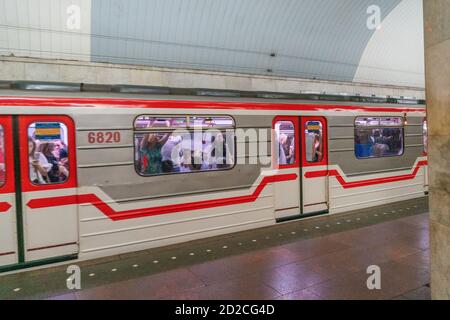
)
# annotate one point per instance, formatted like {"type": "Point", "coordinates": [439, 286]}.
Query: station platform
{"type": "Point", "coordinates": [324, 257]}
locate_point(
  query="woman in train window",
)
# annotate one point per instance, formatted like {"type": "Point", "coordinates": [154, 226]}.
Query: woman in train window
{"type": "Point", "coordinates": [150, 153]}
{"type": "Point", "coordinates": [54, 174]}
{"type": "Point", "coordinates": [38, 164]}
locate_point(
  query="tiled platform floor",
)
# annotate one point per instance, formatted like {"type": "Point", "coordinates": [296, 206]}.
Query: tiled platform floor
{"type": "Point", "coordinates": [321, 258]}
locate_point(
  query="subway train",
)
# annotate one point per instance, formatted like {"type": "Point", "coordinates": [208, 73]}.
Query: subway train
{"type": "Point", "coordinates": [88, 171]}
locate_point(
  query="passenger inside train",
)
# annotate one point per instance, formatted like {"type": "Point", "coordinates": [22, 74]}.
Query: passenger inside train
{"type": "Point", "coordinates": [317, 148]}
{"type": "Point", "coordinates": [378, 137]}
{"type": "Point", "coordinates": [314, 141]}
{"type": "Point", "coordinates": [286, 142]}
{"type": "Point", "coordinates": [48, 153]}
{"type": "Point", "coordinates": [183, 144]}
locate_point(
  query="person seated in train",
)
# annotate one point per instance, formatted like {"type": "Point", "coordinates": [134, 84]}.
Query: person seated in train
{"type": "Point", "coordinates": [363, 143]}
{"type": "Point", "coordinates": [167, 166]}
{"type": "Point", "coordinates": [38, 164]}
{"type": "Point", "coordinates": [317, 152]}
{"type": "Point", "coordinates": [150, 152]}
{"type": "Point", "coordinates": [47, 149]}
{"type": "Point", "coordinates": [388, 137]}
{"type": "Point", "coordinates": [62, 155]}
{"type": "Point", "coordinates": [381, 146]}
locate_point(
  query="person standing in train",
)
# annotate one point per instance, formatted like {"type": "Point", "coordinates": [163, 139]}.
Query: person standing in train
{"type": "Point", "coordinates": [150, 151]}
{"type": "Point", "coordinates": [317, 153]}
{"type": "Point", "coordinates": [171, 154]}
{"type": "Point", "coordinates": [289, 150]}
{"type": "Point", "coordinates": [220, 153]}
{"type": "Point", "coordinates": [39, 166]}
{"type": "Point", "coordinates": [281, 149]}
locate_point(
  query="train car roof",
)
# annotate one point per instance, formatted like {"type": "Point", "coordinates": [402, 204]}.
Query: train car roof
{"type": "Point", "coordinates": [127, 92]}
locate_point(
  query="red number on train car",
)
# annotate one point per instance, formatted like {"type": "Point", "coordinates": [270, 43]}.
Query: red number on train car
{"type": "Point", "coordinates": [104, 137]}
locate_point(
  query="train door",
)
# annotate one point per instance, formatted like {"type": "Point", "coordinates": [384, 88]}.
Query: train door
{"type": "Point", "coordinates": [286, 159]}
{"type": "Point", "coordinates": [8, 225]}
{"type": "Point", "coordinates": [43, 167]}
{"type": "Point", "coordinates": [314, 158]}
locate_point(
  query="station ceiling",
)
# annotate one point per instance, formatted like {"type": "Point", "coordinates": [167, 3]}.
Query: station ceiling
{"type": "Point", "coordinates": [374, 41]}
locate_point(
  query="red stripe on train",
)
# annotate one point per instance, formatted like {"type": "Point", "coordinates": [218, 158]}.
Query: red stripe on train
{"type": "Point", "coordinates": [368, 182]}
{"type": "Point", "coordinates": [145, 212]}
{"type": "Point", "coordinates": [183, 104]}
{"type": "Point", "coordinates": [4, 206]}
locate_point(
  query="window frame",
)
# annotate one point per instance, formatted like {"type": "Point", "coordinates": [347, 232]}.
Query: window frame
{"type": "Point", "coordinates": [295, 122]}
{"type": "Point", "coordinates": [379, 127]}
{"type": "Point", "coordinates": [322, 142]}
{"type": "Point", "coordinates": [187, 128]}
{"type": "Point", "coordinates": [2, 129]}
{"type": "Point", "coordinates": [67, 129]}
{"type": "Point", "coordinates": [324, 122]}
{"type": "Point", "coordinates": [9, 184]}
{"type": "Point", "coordinates": [71, 181]}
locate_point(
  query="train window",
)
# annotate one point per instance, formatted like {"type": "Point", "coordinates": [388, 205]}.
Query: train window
{"type": "Point", "coordinates": [313, 141]}
{"type": "Point", "coordinates": [211, 122]}
{"type": "Point", "coordinates": [285, 136]}
{"type": "Point", "coordinates": [425, 135]}
{"type": "Point", "coordinates": [150, 122]}
{"type": "Point", "coordinates": [48, 152]}
{"type": "Point", "coordinates": [153, 122]}
{"type": "Point", "coordinates": [391, 121]}
{"type": "Point", "coordinates": [183, 144]}
{"type": "Point", "coordinates": [2, 157]}
{"type": "Point", "coordinates": [367, 121]}
{"type": "Point", "coordinates": [378, 137]}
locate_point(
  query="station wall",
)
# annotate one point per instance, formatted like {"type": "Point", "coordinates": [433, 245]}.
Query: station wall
{"type": "Point", "coordinates": [369, 41]}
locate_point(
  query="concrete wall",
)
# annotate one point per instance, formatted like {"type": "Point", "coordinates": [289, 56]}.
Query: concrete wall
{"type": "Point", "coordinates": [437, 73]}
{"type": "Point", "coordinates": [14, 68]}
{"type": "Point", "coordinates": [370, 41]}
{"type": "Point", "coordinates": [52, 29]}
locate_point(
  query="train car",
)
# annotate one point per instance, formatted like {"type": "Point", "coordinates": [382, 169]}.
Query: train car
{"type": "Point", "coordinates": [93, 171]}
